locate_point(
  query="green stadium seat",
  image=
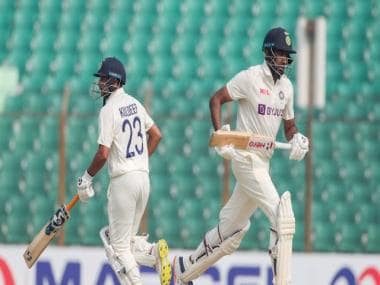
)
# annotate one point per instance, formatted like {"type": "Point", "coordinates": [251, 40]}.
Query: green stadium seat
{"type": "Point", "coordinates": [35, 103]}
{"type": "Point", "coordinates": [210, 68]}
{"type": "Point", "coordinates": [161, 67]}
{"type": "Point", "coordinates": [89, 230]}
{"type": "Point", "coordinates": [162, 208]}
{"type": "Point", "coordinates": [233, 48]}
{"type": "Point", "coordinates": [160, 107]}
{"type": "Point", "coordinates": [367, 215]}
{"type": "Point", "coordinates": [349, 239]}
{"type": "Point", "coordinates": [14, 104]}
{"type": "Point", "coordinates": [360, 10]}
{"type": "Point", "coordinates": [320, 213]}
{"type": "Point", "coordinates": [217, 8]}
{"type": "Point", "coordinates": [213, 26]}
{"type": "Point", "coordinates": [288, 9]}
{"type": "Point", "coordinates": [336, 10]}
{"type": "Point", "coordinates": [167, 229]}
{"type": "Point", "coordinates": [15, 228]}
{"type": "Point", "coordinates": [200, 128]}
{"type": "Point", "coordinates": [24, 17]}
{"type": "Point", "coordinates": [182, 185]}
{"type": "Point", "coordinates": [71, 231]}
{"type": "Point", "coordinates": [355, 29]}
{"type": "Point", "coordinates": [9, 180]}
{"type": "Point", "coordinates": [160, 45]}
{"type": "Point", "coordinates": [341, 214]}
{"type": "Point", "coordinates": [352, 72]}
{"type": "Point", "coordinates": [328, 171]}
{"type": "Point", "coordinates": [324, 237]}
{"type": "Point", "coordinates": [197, 145]}
{"type": "Point", "coordinates": [67, 40]}
{"type": "Point", "coordinates": [191, 232]}
{"type": "Point", "coordinates": [372, 239]}
{"type": "Point", "coordinates": [190, 209]}
{"type": "Point", "coordinates": [33, 82]}
{"type": "Point", "coordinates": [118, 23]}
{"type": "Point", "coordinates": [183, 108]}
{"type": "Point", "coordinates": [332, 193]}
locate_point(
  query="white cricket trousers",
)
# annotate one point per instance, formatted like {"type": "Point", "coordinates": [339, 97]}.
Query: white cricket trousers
{"type": "Point", "coordinates": [254, 188]}
{"type": "Point", "coordinates": [127, 198]}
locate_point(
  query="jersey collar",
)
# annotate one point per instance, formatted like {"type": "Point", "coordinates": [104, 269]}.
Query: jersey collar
{"type": "Point", "coordinates": [116, 93]}
{"type": "Point", "coordinates": [266, 69]}
{"type": "Point", "coordinates": [268, 73]}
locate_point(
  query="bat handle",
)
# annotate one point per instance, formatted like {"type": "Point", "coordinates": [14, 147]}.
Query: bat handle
{"type": "Point", "coordinates": [281, 145]}
{"type": "Point", "coordinates": [72, 202]}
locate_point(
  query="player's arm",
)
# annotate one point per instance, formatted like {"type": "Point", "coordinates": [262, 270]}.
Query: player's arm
{"type": "Point", "coordinates": [290, 128]}
{"type": "Point", "coordinates": [217, 100]}
{"type": "Point", "coordinates": [154, 138]}
{"type": "Point", "coordinates": [99, 160]}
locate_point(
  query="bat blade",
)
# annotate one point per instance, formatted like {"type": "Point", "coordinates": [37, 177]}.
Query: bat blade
{"type": "Point", "coordinates": [239, 140]}
{"type": "Point", "coordinates": [43, 238]}
{"type": "Point", "coordinates": [38, 245]}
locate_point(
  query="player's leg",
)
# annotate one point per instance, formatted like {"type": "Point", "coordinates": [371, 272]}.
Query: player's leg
{"type": "Point", "coordinates": [150, 254]}
{"type": "Point", "coordinates": [279, 212]}
{"type": "Point", "coordinates": [222, 240]}
{"type": "Point", "coordinates": [123, 196]}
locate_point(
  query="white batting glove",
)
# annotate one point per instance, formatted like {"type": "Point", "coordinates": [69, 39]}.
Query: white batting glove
{"type": "Point", "coordinates": [226, 151]}
{"type": "Point", "coordinates": [300, 146]}
{"type": "Point", "coordinates": [84, 187]}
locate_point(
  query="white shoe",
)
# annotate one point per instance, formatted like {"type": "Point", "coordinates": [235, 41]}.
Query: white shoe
{"type": "Point", "coordinates": [178, 268]}
{"type": "Point", "coordinates": [163, 265]}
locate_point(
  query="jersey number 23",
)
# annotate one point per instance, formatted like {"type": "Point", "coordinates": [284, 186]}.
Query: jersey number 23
{"type": "Point", "coordinates": [136, 138]}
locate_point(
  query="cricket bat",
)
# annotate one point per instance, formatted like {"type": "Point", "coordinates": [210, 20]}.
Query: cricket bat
{"type": "Point", "coordinates": [44, 237]}
{"type": "Point", "coordinates": [246, 141]}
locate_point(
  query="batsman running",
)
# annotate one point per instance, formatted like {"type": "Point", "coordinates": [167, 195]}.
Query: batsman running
{"type": "Point", "coordinates": [127, 137]}
{"type": "Point", "coordinates": [265, 98]}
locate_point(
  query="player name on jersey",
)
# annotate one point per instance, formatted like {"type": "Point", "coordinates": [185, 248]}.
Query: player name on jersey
{"type": "Point", "coordinates": [129, 110]}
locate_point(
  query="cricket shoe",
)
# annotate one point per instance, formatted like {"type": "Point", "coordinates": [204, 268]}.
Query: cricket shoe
{"type": "Point", "coordinates": [178, 268]}
{"type": "Point", "coordinates": [163, 265]}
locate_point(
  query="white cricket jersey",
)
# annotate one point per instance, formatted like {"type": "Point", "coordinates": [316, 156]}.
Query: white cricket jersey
{"type": "Point", "coordinates": [262, 103]}
{"type": "Point", "coordinates": [123, 123]}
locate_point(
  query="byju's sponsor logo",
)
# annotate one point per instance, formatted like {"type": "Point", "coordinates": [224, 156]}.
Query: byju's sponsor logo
{"type": "Point", "coordinates": [263, 109]}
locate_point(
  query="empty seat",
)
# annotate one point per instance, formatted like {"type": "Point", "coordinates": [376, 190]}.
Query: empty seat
{"type": "Point", "coordinates": [372, 238]}
{"type": "Point", "coordinates": [324, 237]}
{"type": "Point", "coordinates": [349, 239]}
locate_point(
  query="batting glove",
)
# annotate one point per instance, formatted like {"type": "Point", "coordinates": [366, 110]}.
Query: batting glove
{"type": "Point", "coordinates": [226, 151]}
{"type": "Point", "coordinates": [84, 187]}
{"type": "Point", "coordinates": [300, 146]}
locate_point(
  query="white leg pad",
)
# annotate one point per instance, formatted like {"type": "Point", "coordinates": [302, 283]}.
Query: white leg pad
{"type": "Point", "coordinates": [113, 259]}
{"type": "Point", "coordinates": [212, 255]}
{"type": "Point", "coordinates": [132, 277]}
{"type": "Point", "coordinates": [286, 227]}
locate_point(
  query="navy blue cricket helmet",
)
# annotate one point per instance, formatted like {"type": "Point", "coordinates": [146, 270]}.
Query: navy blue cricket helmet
{"type": "Point", "coordinates": [112, 67]}
{"type": "Point", "coordinates": [278, 39]}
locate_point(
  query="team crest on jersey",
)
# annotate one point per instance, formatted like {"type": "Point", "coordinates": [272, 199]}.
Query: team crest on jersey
{"type": "Point", "coordinates": [281, 95]}
{"type": "Point", "coordinates": [288, 40]}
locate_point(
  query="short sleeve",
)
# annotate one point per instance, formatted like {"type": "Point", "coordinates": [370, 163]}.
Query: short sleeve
{"type": "Point", "coordinates": [238, 86]}
{"type": "Point", "coordinates": [106, 129]}
{"type": "Point", "coordinates": [289, 108]}
{"type": "Point", "coordinates": [148, 121]}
